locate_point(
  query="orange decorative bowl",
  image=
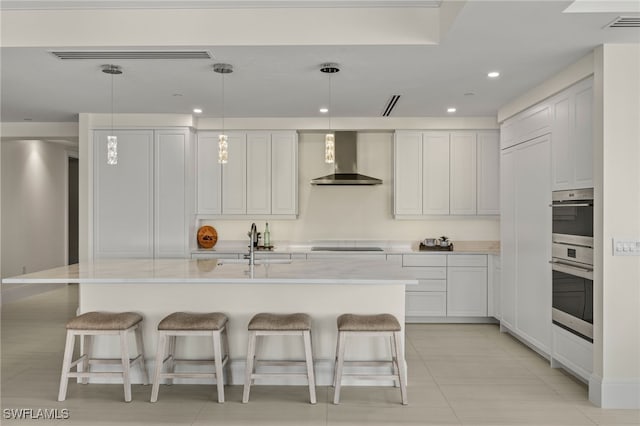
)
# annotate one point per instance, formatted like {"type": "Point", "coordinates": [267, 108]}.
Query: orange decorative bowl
{"type": "Point", "coordinates": [207, 237]}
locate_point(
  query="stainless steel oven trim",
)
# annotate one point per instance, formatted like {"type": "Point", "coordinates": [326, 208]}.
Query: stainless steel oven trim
{"type": "Point", "coordinates": [581, 271]}
{"type": "Point", "coordinates": [573, 323]}
{"type": "Point", "coordinates": [573, 195]}
{"type": "Point", "coordinates": [576, 240]}
{"type": "Point", "coordinates": [572, 254]}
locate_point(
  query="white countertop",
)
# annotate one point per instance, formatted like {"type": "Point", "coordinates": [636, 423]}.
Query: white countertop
{"type": "Point", "coordinates": [388, 247]}
{"type": "Point", "coordinates": [208, 271]}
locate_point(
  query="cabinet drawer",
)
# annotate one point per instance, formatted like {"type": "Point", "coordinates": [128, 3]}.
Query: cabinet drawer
{"type": "Point", "coordinates": [268, 255]}
{"type": "Point", "coordinates": [467, 260]}
{"type": "Point", "coordinates": [430, 285]}
{"type": "Point", "coordinates": [426, 273]}
{"type": "Point", "coordinates": [427, 304]}
{"type": "Point", "coordinates": [424, 260]}
{"type": "Point", "coordinates": [214, 255]}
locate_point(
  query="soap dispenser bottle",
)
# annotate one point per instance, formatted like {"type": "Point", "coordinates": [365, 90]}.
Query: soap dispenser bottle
{"type": "Point", "coordinates": [266, 237]}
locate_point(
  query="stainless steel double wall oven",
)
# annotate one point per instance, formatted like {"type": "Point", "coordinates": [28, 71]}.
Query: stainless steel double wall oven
{"type": "Point", "coordinates": [572, 263]}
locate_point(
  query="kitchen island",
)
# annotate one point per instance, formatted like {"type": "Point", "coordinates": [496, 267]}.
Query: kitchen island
{"type": "Point", "coordinates": [157, 287]}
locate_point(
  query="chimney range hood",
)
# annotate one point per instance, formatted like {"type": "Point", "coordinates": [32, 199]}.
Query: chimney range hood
{"type": "Point", "coordinates": [346, 144]}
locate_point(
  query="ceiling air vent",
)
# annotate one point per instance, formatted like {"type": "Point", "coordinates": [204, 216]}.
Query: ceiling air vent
{"type": "Point", "coordinates": [132, 54]}
{"type": "Point", "coordinates": [625, 22]}
{"type": "Point", "coordinates": [390, 105]}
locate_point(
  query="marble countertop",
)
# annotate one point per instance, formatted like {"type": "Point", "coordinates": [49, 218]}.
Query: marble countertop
{"type": "Point", "coordinates": [209, 271]}
{"type": "Point", "coordinates": [388, 247]}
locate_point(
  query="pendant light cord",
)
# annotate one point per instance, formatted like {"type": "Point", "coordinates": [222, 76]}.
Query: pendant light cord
{"type": "Point", "coordinates": [112, 91]}
{"type": "Point", "coordinates": [223, 103]}
{"type": "Point", "coordinates": [330, 106]}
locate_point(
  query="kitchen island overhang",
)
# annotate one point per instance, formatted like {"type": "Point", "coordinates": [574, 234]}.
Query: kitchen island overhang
{"type": "Point", "coordinates": [158, 287]}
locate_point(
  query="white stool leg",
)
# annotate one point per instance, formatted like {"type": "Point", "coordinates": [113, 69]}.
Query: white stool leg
{"type": "Point", "coordinates": [217, 356]}
{"type": "Point", "coordinates": [394, 361]}
{"type": "Point", "coordinates": [126, 378]}
{"type": "Point", "coordinates": [401, 368]}
{"type": "Point", "coordinates": [225, 342]}
{"type": "Point", "coordinates": [87, 350]}
{"type": "Point", "coordinates": [66, 365]}
{"type": "Point", "coordinates": [162, 340]}
{"type": "Point", "coordinates": [171, 354]}
{"type": "Point", "coordinates": [308, 351]}
{"type": "Point", "coordinates": [248, 372]}
{"type": "Point", "coordinates": [335, 361]}
{"type": "Point", "coordinates": [140, 347]}
{"type": "Point", "coordinates": [339, 367]}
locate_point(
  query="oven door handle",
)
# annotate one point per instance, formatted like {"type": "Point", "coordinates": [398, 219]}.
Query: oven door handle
{"type": "Point", "coordinates": [571, 205]}
{"type": "Point", "coordinates": [571, 269]}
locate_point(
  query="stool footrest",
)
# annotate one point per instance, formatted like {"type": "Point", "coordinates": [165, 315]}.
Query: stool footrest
{"type": "Point", "coordinates": [372, 376]}
{"type": "Point", "coordinates": [94, 373]}
{"type": "Point", "coordinates": [367, 363]}
{"type": "Point", "coordinates": [186, 375]}
{"type": "Point", "coordinates": [276, 363]}
{"type": "Point", "coordinates": [269, 375]}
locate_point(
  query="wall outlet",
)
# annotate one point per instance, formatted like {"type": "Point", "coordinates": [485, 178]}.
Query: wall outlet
{"type": "Point", "coordinates": [626, 247]}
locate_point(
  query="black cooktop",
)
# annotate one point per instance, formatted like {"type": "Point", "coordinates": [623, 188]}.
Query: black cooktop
{"type": "Point", "coordinates": [346, 249]}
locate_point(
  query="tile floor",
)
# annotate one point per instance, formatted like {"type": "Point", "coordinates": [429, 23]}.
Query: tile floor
{"type": "Point", "coordinates": [458, 375]}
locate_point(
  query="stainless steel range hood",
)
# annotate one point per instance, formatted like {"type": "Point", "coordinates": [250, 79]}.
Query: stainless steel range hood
{"type": "Point", "coordinates": [346, 144]}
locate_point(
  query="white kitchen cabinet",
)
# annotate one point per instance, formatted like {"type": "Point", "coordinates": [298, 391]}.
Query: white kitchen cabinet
{"type": "Point", "coordinates": [572, 137]}
{"type": "Point", "coordinates": [234, 175]}
{"type": "Point", "coordinates": [446, 173]}
{"type": "Point", "coordinates": [170, 216]}
{"type": "Point", "coordinates": [525, 241]}
{"type": "Point", "coordinates": [488, 173]}
{"type": "Point", "coordinates": [435, 173]}
{"type": "Point", "coordinates": [407, 183]}
{"type": "Point", "coordinates": [208, 174]}
{"type": "Point", "coordinates": [140, 204]}
{"type": "Point", "coordinates": [425, 304]}
{"type": "Point", "coordinates": [462, 185]}
{"type": "Point", "coordinates": [260, 178]}
{"type": "Point", "coordinates": [467, 291]}
{"type": "Point", "coordinates": [258, 173]}
{"type": "Point", "coordinates": [284, 173]}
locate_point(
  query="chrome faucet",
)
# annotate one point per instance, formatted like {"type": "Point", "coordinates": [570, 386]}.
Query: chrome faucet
{"type": "Point", "coordinates": [253, 242]}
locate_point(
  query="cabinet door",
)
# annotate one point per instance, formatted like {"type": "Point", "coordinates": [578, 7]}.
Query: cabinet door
{"type": "Point", "coordinates": [258, 173]}
{"type": "Point", "coordinates": [284, 173]}
{"type": "Point", "coordinates": [435, 173]}
{"type": "Point", "coordinates": [508, 237]}
{"type": "Point", "coordinates": [533, 244]}
{"type": "Point", "coordinates": [407, 185]}
{"type": "Point", "coordinates": [123, 195]}
{"type": "Point", "coordinates": [234, 175]}
{"type": "Point", "coordinates": [562, 151]}
{"type": "Point", "coordinates": [170, 218]}
{"type": "Point", "coordinates": [466, 291]}
{"type": "Point", "coordinates": [462, 185]}
{"type": "Point", "coordinates": [583, 136]}
{"type": "Point", "coordinates": [209, 174]}
{"type": "Point", "coordinates": [426, 304]}
{"type": "Point", "coordinates": [488, 173]}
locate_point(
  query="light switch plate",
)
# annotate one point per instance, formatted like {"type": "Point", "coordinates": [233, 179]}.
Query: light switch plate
{"type": "Point", "coordinates": [626, 247]}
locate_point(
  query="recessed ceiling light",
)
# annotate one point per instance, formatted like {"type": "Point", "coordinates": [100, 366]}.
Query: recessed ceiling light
{"type": "Point", "coordinates": [493, 74]}
{"type": "Point", "coordinates": [324, 110]}
{"type": "Point", "coordinates": [177, 94]}
{"type": "Point", "coordinates": [27, 119]}
{"type": "Point", "coordinates": [451, 109]}
{"type": "Point", "coordinates": [197, 111]}
{"type": "Point", "coordinates": [469, 94]}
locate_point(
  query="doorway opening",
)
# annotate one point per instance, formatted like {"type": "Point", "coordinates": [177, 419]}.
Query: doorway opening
{"type": "Point", "coordinates": [72, 208]}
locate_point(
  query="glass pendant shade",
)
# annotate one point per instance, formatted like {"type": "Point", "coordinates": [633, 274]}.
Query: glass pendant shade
{"type": "Point", "coordinates": [112, 150]}
{"type": "Point", "coordinates": [223, 152]}
{"type": "Point", "coordinates": [329, 148]}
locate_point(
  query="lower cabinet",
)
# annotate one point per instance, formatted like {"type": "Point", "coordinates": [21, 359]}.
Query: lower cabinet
{"type": "Point", "coordinates": [450, 285]}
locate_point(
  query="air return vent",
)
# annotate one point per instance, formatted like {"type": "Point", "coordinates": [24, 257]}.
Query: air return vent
{"type": "Point", "coordinates": [625, 22]}
{"type": "Point", "coordinates": [390, 105]}
{"type": "Point", "coordinates": [132, 54]}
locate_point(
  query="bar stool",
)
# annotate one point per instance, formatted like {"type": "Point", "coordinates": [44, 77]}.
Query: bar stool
{"type": "Point", "coordinates": [264, 324]}
{"type": "Point", "coordinates": [102, 323]}
{"type": "Point", "coordinates": [213, 325]}
{"type": "Point", "coordinates": [381, 325]}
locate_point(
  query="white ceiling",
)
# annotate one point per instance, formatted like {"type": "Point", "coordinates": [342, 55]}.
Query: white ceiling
{"type": "Point", "coordinates": [527, 41]}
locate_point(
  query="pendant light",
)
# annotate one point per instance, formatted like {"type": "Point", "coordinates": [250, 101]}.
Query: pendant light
{"type": "Point", "coordinates": [329, 139]}
{"type": "Point", "coordinates": [223, 146]}
{"type": "Point", "coordinates": [112, 140]}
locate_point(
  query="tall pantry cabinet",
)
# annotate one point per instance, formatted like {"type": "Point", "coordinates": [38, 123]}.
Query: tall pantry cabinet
{"type": "Point", "coordinates": [141, 205]}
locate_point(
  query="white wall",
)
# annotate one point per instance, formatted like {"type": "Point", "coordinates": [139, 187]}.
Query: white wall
{"type": "Point", "coordinates": [348, 212]}
{"type": "Point", "coordinates": [33, 206]}
{"type": "Point", "coordinates": [616, 379]}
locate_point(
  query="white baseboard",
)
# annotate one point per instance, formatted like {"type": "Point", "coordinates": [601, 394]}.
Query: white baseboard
{"type": "Point", "coordinates": [621, 394]}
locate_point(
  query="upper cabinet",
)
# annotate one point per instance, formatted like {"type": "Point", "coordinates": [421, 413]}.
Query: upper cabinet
{"type": "Point", "coordinates": [260, 178]}
{"type": "Point", "coordinates": [572, 143]}
{"type": "Point", "coordinates": [141, 204]}
{"type": "Point", "coordinates": [446, 173]}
